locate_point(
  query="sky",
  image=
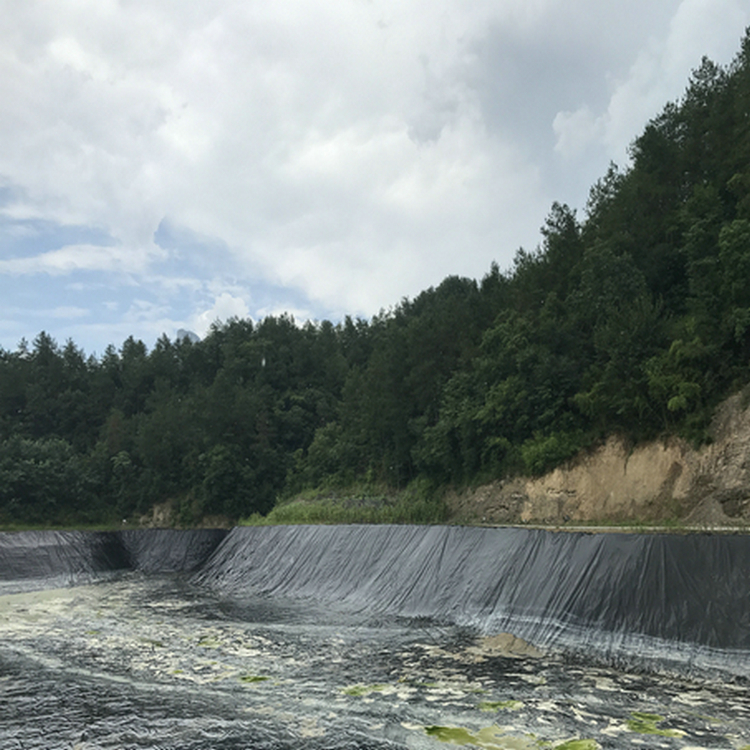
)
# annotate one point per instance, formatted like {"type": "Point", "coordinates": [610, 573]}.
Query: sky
{"type": "Point", "coordinates": [168, 164]}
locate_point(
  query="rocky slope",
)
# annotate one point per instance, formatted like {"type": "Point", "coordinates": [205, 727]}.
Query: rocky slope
{"type": "Point", "coordinates": [662, 482]}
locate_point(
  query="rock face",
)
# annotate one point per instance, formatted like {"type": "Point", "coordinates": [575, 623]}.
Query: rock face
{"type": "Point", "coordinates": [665, 481]}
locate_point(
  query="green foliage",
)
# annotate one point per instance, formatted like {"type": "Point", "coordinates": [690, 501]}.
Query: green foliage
{"type": "Point", "coordinates": [544, 452]}
{"type": "Point", "coordinates": [44, 481]}
{"type": "Point", "coordinates": [418, 503]}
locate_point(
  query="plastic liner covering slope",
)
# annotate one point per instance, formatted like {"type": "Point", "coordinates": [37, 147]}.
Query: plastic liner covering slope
{"type": "Point", "coordinates": [53, 558]}
{"type": "Point", "coordinates": [170, 550]}
{"type": "Point", "coordinates": [682, 600]}
{"type": "Point", "coordinates": [45, 554]}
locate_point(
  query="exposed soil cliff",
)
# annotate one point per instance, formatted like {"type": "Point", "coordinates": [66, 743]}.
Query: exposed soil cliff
{"type": "Point", "coordinates": [665, 481]}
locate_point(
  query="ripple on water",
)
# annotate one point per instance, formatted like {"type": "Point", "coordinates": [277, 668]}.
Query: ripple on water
{"type": "Point", "coordinates": [145, 663]}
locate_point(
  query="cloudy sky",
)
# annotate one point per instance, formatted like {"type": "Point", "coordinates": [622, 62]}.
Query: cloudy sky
{"type": "Point", "coordinates": [165, 163]}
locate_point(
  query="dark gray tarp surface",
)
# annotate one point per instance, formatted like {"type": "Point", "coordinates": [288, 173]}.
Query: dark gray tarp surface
{"type": "Point", "coordinates": [50, 554]}
{"type": "Point", "coordinates": [683, 596]}
{"type": "Point", "coordinates": [45, 554]}
{"type": "Point", "coordinates": [170, 550]}
{"type": "Point", "coordinates": [609, 592]}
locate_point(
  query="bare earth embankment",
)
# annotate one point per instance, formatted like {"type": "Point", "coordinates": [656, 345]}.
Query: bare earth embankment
{"type": "Point", "coordinates": [665, 483]}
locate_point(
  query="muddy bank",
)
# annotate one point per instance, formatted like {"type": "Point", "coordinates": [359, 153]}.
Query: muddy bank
{"type": "Point", "coordinates": [664, 482]}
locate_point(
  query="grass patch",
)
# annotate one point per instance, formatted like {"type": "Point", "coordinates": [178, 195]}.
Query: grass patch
{"type": "Point", "coordinates": [370, 504]}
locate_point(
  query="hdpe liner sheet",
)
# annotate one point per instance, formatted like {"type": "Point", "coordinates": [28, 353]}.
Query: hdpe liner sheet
{"type": "Point", "coordinates": [678, 599]}
{"type": "Point", "coordinates": [170, 550]}
{"type": "Point", "coordinates": [46, 559]}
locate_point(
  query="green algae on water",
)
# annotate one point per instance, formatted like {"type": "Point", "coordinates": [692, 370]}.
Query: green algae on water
{"type": "Point", "coordinates": [208, 641]}
{"type": "Point", "coordinates": [252, 678]}
{"type": "Point", "coordinates": [490, 738]}
{"type": "Point", "coordinates": [357, 691]}
{"type": "Point", "coordinates": [646, 724]}
{"type": "Point", "coordinates": [454, 735]}
{"type": "Point", "coordinates": [493, 738]}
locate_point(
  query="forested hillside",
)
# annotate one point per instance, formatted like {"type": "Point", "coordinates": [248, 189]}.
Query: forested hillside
{"type": "Point", "coordinates": [633, 318]}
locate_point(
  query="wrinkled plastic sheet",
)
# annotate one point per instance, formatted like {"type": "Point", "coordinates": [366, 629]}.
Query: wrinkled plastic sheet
{"type": "Point", "coordinates": [30, 555]}
{"type": "Point", "coordinates": [680, 598]}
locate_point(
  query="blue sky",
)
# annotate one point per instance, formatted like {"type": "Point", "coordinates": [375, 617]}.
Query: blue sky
{"type": "Point", "coordinates": [167, 164]}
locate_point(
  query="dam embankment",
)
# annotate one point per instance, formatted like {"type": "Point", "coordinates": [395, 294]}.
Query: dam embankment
{"type": "Point", "coordinates": [677, 599]}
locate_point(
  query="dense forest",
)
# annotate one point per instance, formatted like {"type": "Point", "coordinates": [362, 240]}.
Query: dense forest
{"type": "Point", "coordinates": [633, 319]}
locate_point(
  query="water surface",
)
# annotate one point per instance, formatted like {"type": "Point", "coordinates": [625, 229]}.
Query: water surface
{"type": "Point", "coordinates": [161, 661]}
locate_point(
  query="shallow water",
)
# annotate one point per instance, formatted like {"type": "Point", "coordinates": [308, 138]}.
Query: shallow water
{"type": "Point", "coordinates": [160, 662]}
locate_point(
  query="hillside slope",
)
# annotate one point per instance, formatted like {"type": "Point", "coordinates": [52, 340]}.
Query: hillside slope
{"type": "Point", "coordinates": [665, 481]}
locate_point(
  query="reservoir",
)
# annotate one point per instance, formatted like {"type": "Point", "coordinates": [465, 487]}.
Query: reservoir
{"type": "Point", "coordinates": [374, 637]}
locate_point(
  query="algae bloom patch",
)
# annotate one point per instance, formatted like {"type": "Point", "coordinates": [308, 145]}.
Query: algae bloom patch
{"type": "Point", "coordinates": [491, 738]}
{"type": "Point", "coordinates": [495, 738]}
{"type": "Point", "coordinates": [647, 724]}
{"type": "Point", "coordinates": [359, 691]}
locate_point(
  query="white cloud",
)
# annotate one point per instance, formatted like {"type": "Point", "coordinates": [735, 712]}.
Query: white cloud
{"type": "Point", "coordinates": [300, 315]}
{"type": "Point", "coordinates": [575, 131]}
{"type": "Point", "coordinates": [658, 74]}
{"type": "Point", "coordinates": [350, 152]}
{"type": "Point", "coordinates": [72, 258]}
{"type": "Point", "coordinates": [225, 307]}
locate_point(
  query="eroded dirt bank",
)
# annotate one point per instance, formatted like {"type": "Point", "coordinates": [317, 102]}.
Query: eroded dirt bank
{"type": "Point", "coordinates": [662, 482]}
